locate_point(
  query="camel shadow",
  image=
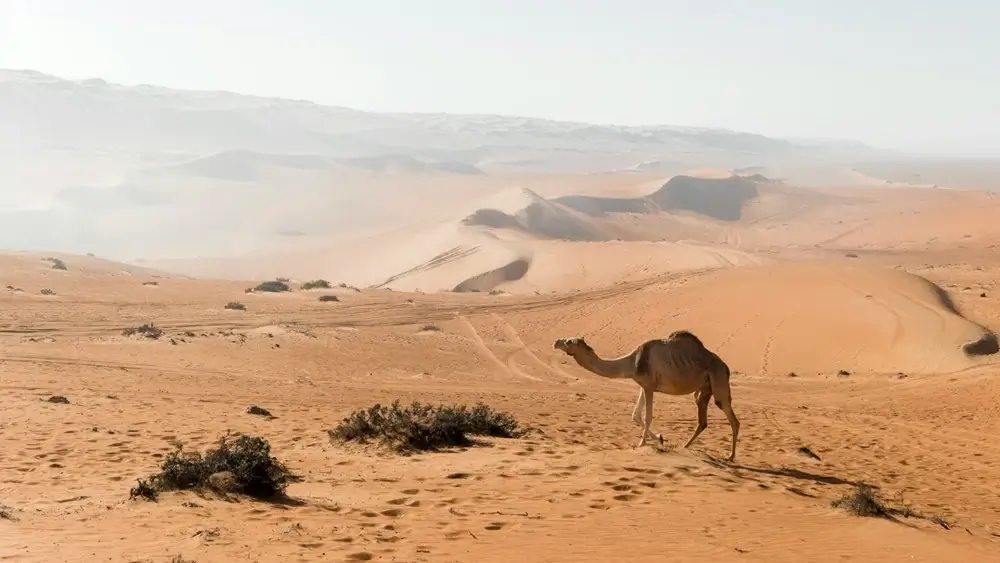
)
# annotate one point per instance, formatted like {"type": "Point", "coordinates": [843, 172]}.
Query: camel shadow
{"type": "Point", "coordinates": [782, 472]}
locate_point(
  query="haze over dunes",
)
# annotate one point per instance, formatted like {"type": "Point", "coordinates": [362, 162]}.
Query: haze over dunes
{"type": "Point", "coordinates": [312, 261]}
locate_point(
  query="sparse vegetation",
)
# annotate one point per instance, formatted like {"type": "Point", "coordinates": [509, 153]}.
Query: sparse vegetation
{"type": "Point", "coordinates": [236, 306]}
{"type": "Point", "coordinates": [862, 501]}
{"type": "Point", "coordinates": [180, 559]}
{"type": "Point", "coordinates": [276, 286]}
{"type": "Point", "coordinates": [150, 283]}
{"type": "Point", "coordinates": [57, 264]}
{"type": "Point", "coordinates": [430, 328]}
{"type": "Point", "coordinates": [243, 465]}
{"type": "Point", "coordinates": [420, 427]}
{"type": "Point", "coordinates": [58, 399]}
{"type": "Point", "coordinates": [148, 330]}
{"type": "Point", "coordinates": [328, 298]}
{"type": "Point", "coordinates": [283, 280]}
{"type": "Point", "coordinates": [865, 501]}
{"type": "Point", "coordinates": [317, 284]}
{"type": "Point", "coordinates": [47, 291]}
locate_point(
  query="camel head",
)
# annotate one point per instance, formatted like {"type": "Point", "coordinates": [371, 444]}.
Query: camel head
{"type": "Point", "coordinates": [572, 346]}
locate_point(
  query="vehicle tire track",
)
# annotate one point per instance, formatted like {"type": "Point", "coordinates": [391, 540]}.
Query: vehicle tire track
{"type": "Point", "coordinates": [508, 366]}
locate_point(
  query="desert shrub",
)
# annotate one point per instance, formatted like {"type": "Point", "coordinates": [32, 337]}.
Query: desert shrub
{"type": "Point", "coordinates": [57, 264]}
{"type": "Point", "coordinates": [316, 284]}
{"type": "Point", "coordinates": [58, 399]}
{"type": "Point", "coordinates": [283, 280]}
{"type": "Point", "coordinates": [150, 283]}
{"type": "Point", "coordinates": [430, 328]}
{"type": "Point", "coordinates": [862, 501]}
{"type": "Point", "coordinates": [180, 559]}
{"type": "Point", "coordinates": [47, 291]}
{"type": "Point", "coordinates": [247, 458]}
{"type": "Point", "coordinates": [328, 298]}
{"type": "Point", "coordinates": [148, 330]}
{"type": "Point", "coordinates": [420, 427]}
{"type": "Point", "coordinates": [275, 286]}
{"type": "Point", "coordinates": [143, 489]}
{"type": "Point", "coordinates": [236, 306]}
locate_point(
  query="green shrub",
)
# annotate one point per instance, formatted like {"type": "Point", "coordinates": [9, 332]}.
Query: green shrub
{"type": "Point", "coordinates": [421, 427]}
{"type": "Point", "coordinates": [272, 287]}
{"type": "Point", "coordinates": [236, 306]}
{"type": "Point", "coordinates": [316, 284]}
{"type": "Point", "coordinates": [247, 458]}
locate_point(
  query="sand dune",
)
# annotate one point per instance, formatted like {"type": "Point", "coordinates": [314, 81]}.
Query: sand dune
{"type": "Point", "coordinates": [572, 493]}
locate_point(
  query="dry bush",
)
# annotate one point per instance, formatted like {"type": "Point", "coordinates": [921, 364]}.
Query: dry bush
{"type": "Point", "coordinates": [247, 459]}
{"type": "Point", "coordinates": [328, 298]}
{"type": "Point", "coordinates": [421, 427]}
{"type": "Point", "coordinates": [236, 306]}
{"type": "Point", "coordinates": [276, 286]}
{"type": "Point", "coordinates": [316, 284]}
{"type": "Point", "coordinates": [148, 330]}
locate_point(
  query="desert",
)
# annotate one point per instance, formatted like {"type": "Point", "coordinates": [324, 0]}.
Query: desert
{"type": "Point", "coordinates": [857, 316]}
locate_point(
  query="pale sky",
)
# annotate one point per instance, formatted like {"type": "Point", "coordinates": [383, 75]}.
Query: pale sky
{"type": "Point", "coordinates": [906, 74]}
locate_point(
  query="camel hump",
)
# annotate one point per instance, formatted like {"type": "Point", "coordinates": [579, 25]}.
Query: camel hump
{"type": "Point", "coordinates": [684, 335]}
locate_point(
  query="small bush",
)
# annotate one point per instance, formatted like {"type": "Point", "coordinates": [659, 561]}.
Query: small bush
{"type": "Point", "coordinates": [150, 283]}
{"type": "Point", "coordinates": [330, 298]}
{"type": "Point", "coordinates": [247, 459]}
{"type": "Point", "coordinates": [58, 399]}
{"type": "Point", "coordinates": [283, 280]}
{"type": "Point", "coordinates": [272, 287]}
{"type": "Point", "coordinates": [316, 284]}
{"type": "Point", "coordinates": [143, 489]}
{"type": "Point", "coordinates": [424, 427]}
{"type": "Point", "coordinates": [47, 291]}
{"type": "Point", "coordinates": [57, 264]}
{"type": "Point", "coordinates": [862, 501]}
{"type": "Point", "coordinates": [236, 306]}
{"type": "Point", "coordinates": [147, 330]}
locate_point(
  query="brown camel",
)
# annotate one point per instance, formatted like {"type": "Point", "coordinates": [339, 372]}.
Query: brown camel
{"type": "Point", "coordinates": [677, 365]}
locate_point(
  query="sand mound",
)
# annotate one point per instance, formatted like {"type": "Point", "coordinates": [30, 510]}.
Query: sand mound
{"type": "Point", "coordinates": [522, 210]}
{"type": "Point", "coordinates": [717, 198]}
{"type": "Point", "coordinates": [814, 317]}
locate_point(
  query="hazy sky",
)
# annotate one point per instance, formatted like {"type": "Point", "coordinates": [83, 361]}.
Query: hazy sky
{"type": "Point", "coordinates": [909, 74]}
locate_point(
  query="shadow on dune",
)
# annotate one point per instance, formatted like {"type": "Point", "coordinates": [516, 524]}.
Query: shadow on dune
{"type": "Point", "coordinates": [783, 472]}
{"type": "Point", "coordinates": [987, 343]}
{"type": "Point", "coordinates": [487, 281]}
{"type": "Point", "coordinates": [719, 198]}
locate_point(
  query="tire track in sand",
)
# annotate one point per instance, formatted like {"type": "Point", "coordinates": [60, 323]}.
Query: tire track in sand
{"type": "Point", "coordinates": [512, 333]}
{"type": "Point", "coordinates": [508, 367]}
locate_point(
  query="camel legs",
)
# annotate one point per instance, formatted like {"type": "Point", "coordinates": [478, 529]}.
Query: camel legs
{"type": "Point", "coordinates": [637, 412]}
{"type": "Point", "coordinates": [648, 400]}
{"type": "Point", "coordinates": [723, 400]}
{"type": "Point", "coordinates": [637, 415]}
{"type": "Point", "coordinates": [704, 396]}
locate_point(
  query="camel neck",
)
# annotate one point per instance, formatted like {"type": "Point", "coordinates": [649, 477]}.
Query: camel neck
{"type": "Point", "coordinates": [616, 368]}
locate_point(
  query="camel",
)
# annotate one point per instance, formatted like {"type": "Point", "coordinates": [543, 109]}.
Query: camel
{"type": "Point", "coordinates": [677, 365]}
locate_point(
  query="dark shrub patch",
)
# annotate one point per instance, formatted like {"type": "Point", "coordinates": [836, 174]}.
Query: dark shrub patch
{"type": "Point", "coordinates": [316, 284]}
{"type": "Point", "coordinates": [421, 427]}
{"type": "Point", "coordinates": [57, 264]}
{"type": "Point", "coordinates": [148, 330]}
{"type": "Point", "coordinates": [275, 286]}
{"type": "Point", "coordinates": [236, 306]}
{"type": "Point", "coordinates": [47, 291]}
{"type": "Point", "coordinates": [58, 399]}
{"type": "Point", "coordinates": [247, 460]}
{"type": "Point", "coordinates": [328, 298]}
